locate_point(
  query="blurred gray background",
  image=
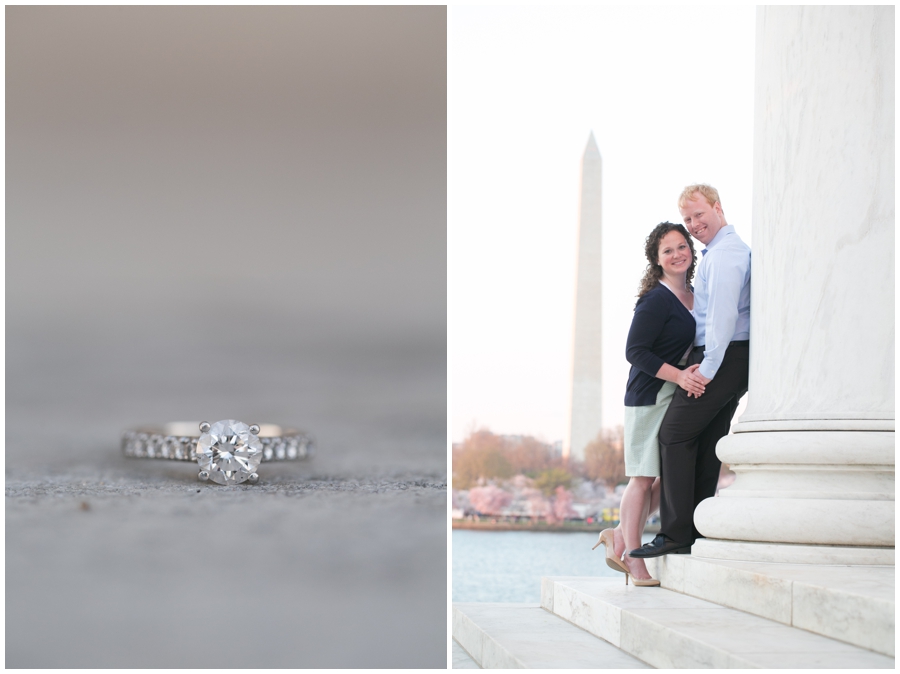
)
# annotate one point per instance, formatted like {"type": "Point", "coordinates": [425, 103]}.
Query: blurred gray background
{"type": "Point", "coordinates": [212, 213]}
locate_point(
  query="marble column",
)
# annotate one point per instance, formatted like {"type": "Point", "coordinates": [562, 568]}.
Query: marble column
{"type": "Point", "coordinates": [586, 398]}
{"type": "Point", "coordinates": [814, 452]}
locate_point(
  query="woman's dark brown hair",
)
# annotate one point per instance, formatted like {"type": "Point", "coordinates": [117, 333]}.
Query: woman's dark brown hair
{"type": "Point", "coordinates": [654, 271]}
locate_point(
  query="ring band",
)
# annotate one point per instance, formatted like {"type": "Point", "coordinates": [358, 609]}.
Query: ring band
{"type": "Point", "coordinates": [228, 452]}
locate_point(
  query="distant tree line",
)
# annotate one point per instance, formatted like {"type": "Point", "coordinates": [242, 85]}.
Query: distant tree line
{"type": "Point", "coordinates": [486, 456]}
{"type": "Point", "coordinates": [604, 457]}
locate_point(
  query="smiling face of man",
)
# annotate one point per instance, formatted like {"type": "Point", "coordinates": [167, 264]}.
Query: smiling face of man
{"type": "Point", "coordinates": [702, 219]}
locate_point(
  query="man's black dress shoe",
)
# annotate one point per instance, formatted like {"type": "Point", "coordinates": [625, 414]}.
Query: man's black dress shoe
{"type": "Point", "coordinates": [660, 546]}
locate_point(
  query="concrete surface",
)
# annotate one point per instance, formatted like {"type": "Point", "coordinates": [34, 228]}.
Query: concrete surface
{"type": "Point", "coordinates": [118, 562]}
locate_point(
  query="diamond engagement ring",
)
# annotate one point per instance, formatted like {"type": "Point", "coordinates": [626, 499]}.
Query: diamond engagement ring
{"type": "Point", "coordinates": [228, 452]}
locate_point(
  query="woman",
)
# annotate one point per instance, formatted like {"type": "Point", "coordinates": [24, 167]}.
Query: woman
{"type": "Point", "coordinates": [661, 335]}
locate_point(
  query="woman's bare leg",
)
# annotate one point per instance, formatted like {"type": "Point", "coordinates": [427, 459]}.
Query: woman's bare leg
{"type": "Point", "coordinates": [633, 514]}
{"type": "Point", "coordinates": [620, 547]}
{"type": "Point", "coordinates": [654, 497]}
{"type": "Point", "coordinates": [619, 539]}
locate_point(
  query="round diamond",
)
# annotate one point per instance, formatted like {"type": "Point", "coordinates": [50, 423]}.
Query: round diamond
{"type": "Point", "coordinates": [229, 452]}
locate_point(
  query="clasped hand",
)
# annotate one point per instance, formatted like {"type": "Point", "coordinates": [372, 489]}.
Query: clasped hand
{"type": "Point", "coordinates": [692, 381]}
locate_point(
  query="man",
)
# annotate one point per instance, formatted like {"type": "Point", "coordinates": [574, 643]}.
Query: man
{"type": "Point", "coordinates": [693, 425]}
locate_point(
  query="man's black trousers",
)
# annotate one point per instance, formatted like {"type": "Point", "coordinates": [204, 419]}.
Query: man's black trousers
{"type": "Point", "coordinates": [687, 442]}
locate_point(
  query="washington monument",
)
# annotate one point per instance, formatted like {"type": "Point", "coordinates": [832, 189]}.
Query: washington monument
{"type": "Point", "coordinates": [586, 394]}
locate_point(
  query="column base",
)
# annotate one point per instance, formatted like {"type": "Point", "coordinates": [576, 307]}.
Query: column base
{"type": "Point", "coordinates": [805, 488]}
{"type": "Point", "coordinates": [787, 553]}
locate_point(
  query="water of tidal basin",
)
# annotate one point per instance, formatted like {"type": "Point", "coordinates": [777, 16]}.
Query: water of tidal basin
{"type": "Point", "coordinates": [506, 566]}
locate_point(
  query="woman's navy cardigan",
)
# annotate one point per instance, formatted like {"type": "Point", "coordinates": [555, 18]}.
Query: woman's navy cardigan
{"type": "Point", "coordinates": [661, 331]}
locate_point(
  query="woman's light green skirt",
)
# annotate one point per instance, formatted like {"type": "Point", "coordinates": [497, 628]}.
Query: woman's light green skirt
{"type": "Point", "coordinates": [642, 434]}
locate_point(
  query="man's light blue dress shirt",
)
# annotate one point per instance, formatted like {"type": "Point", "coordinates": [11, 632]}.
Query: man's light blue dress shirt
{"type": "Point", "coordinates": [722, 297]}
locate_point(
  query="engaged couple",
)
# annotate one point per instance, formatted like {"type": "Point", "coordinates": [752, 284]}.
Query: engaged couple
{"type": "Point", "coordinates": [689, 352]}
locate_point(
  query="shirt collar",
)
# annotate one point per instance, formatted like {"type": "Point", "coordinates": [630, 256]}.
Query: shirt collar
{"type": "Point", "coordinates": [717, 239]}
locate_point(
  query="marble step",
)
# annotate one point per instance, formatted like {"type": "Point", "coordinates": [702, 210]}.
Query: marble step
{"type": "Point", "coordinates": [667, 629]}
{"type": "Point", "coordinates": [854, 604]}
{"type": "Point", "coordinates": [525, 636]}
{"type": "Point", "coordinates": [461, 659]}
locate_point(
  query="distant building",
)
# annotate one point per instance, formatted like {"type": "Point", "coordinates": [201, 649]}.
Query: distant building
{"type": "Point", "coordinates": [557, 448]}
{"type": "Point", "coordinates": [586, 398]}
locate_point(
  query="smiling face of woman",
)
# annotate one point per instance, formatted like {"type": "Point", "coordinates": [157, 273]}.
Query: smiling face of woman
{"type": "Point", "coordinates": [674, 254]}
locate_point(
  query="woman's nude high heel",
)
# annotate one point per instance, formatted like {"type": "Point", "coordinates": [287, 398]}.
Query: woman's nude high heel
{"type": "Point", "coordinates": [607, 538]}
{"type": "Point", "coordinates": [649, 582]}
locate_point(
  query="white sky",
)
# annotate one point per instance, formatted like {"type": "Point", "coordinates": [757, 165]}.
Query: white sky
{"type": "Point", "coordinates": [668, 93]}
